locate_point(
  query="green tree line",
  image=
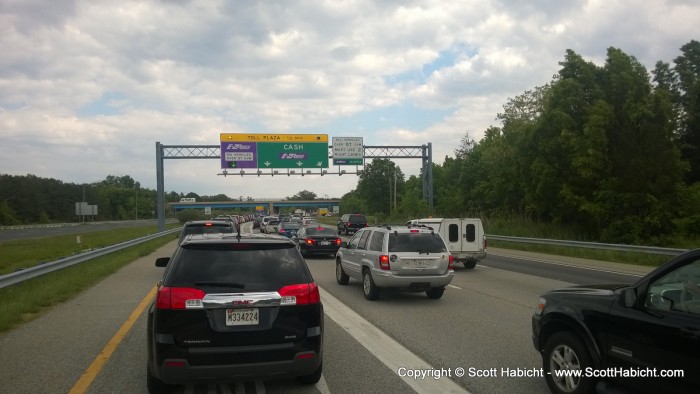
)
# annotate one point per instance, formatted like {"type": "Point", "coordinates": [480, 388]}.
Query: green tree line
{"type": "Point", "coordinates": [611, 150]}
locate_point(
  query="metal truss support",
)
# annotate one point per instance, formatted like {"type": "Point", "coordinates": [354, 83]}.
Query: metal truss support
{"type": "Point", "coordinates": [423, 152]}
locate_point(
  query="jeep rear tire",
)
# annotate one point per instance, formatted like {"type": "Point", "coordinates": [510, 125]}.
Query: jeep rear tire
{"type": "Point", "coordinates": [469, 263]}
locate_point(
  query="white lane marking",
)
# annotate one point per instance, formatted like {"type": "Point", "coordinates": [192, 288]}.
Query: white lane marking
{"type": "Point", "coordinates": [567, 265]}
{"type": "Point", "coordinates": [322, 386]}
{"type": "Point", "coordinates": [387, 350]}
{"type": "Point", "coordinates": [455, 287]}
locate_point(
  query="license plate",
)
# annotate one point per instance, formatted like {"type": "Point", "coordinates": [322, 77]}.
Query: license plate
{"type": "Point", "coordinates": [421, 263]}
{"type": "Point", "coordinates": [242, 317]}
{"type": "Point", "coordinates": [324, 243]}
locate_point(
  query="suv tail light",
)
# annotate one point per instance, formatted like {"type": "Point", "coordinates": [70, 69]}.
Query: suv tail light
{"type": "Point", "coordinates": [179, 298]}
{"type": "Point", "coordinates": [301, 294]}
{"type": "Point", "coordinates": [310, 241]}
{"type": "Point", "coordinates": [384, 262]}
{"type": "Point", "coordinates": [451, 264]}
{"type": "Point", "coordinates": [338, 241]}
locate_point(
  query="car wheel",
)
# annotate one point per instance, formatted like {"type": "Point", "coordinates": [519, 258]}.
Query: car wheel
{"type": "Point", "coordinates": [155, 385]}
{"type": "Point", "coordinates": [470, 264]}
{"type": "Point", "coordinates": [313, 377]}
{"type": "Point", "coordinates": [370, 290]}
{"type": "Point", "coordinates": [340, 276]}
{"type": "Point", "coordinates": [563, 352]}
{"type": "Point", "coordinates": [435, 292]}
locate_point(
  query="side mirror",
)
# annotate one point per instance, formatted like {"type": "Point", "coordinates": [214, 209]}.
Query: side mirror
{"type": "Point", "coordinates": [294, 238]}
{"type": "Point", "coordinates": [629, 297]}
{"type": "Point", "coordinates": [162, 261]}
{"type": "Point", "coordinates": [344, 244]}
{"type": "Point", "coordinates": [177, 235]}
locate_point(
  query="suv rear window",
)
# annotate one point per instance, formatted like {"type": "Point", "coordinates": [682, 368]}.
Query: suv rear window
{"type": "Point", "coordinates": [416, 242]}
{"type": "Point", "coordinates": [239, 267]}
{"type": "Point", "coordinates": [357, 219]}
{"type": "Point", "coordinates": [212, 228]}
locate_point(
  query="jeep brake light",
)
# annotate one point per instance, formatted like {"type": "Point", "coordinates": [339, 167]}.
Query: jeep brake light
{"type": "Point", "coordinates": [179, 298]}
{"type": "Point", "coordinates": [301, 294]}
{"type": "Point", "coordinates": [384, 262]}
{"type": "Point", "coordinates": [451, 264]}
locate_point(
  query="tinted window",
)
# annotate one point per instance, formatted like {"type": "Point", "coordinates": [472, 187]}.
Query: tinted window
{"type": "Point", "coordinates": [471, 233]}
{"type": "Point", "coordinates": [377, 241]}
{"type": "Point", "coordinates": [358, 219]}
{"type": "Point", "coordinates": [211, 229]}
{"type": "Point", "coordinates": [320, 231]}
{"type": "Point", "coordinates": [255, 267]}
{"type": "Point", "coordinates": [416, 242]}
{"type": "Point", "coordinates": [453, 233]}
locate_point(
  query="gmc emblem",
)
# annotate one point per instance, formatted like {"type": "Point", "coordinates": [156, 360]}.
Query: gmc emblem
{"type": "Point", "coordinates": [242, 302]}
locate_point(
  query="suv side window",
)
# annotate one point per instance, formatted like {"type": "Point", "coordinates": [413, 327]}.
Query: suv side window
{"type": "Point", "coordinates": [355, 240]}
{"type": "Point", "coordinates": [377, 241]}
{"type": "Point", "coordinates": [363, 240]}
{"type": "Point", "coordinates": [679, 290]}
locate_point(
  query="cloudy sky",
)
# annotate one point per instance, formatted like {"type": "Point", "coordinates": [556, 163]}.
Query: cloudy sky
{"type": "Point", "coordinates": [87, 88]}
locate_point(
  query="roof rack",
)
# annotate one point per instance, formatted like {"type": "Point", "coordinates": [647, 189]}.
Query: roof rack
{"type": "Point", "coordinates": [386, 226]}
{"type": "Point", "coordinates": [422, 226]}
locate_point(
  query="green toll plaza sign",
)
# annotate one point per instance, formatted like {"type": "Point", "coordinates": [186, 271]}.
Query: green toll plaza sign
{"type": "Point", "coordinates": [274, 150]}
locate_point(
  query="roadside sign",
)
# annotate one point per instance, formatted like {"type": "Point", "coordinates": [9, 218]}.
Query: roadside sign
{"type": "Point", "coordinates": [348, 151]}
{"type": "Point", "coordinates": [274, 150]}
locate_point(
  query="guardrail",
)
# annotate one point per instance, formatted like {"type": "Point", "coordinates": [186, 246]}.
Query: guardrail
{"type": "Point", "coordinates": [42, 269]}
{"type": "Point", "coordinates": [590, 245]}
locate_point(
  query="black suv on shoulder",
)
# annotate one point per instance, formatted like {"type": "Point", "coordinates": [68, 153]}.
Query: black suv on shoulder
{"type": "Point", "coordinates": [644, 336]}
{"type": "Point", "coordinates": [233, 307]}
{"type": "Point", "coordinates": [351, 222]}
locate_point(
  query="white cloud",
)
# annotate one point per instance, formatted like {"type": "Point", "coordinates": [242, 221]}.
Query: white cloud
{"type": "Point", "coordinates": [99, 82]}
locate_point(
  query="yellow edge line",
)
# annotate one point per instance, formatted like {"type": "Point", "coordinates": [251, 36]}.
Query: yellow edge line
{"type": "Point", "coordinates": [91, 372]}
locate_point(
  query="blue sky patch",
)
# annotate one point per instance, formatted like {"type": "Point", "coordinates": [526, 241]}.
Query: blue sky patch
{"type": "Point", "coordinates": [111, 103]}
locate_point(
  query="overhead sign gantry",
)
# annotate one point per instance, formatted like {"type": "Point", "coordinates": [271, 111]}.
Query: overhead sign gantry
{"type": "Point", "coordinates": [274, 150]}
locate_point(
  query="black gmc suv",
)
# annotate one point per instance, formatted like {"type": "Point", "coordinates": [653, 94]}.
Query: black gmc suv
{"type": "Point", "coordinates": [232, 307]}
{"type": "Point", "coordinates": [643, 337]}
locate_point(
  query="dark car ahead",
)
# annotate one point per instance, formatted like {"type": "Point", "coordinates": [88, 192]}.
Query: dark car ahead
{"type": "Point", "coordinates": [288, 229]}
{"type": "Point", "coordinates": [317, 240]}
{"type": "Point", "coordinates": [351, 222]}
{"type": "Point", "coordinates": [234, 307]}
{"type": "Point", "coordinates": [644, 337]}
{"type": "Point", "coordinates": [206, 227]}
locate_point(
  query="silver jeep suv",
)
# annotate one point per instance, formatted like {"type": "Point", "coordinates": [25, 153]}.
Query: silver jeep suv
{"type": "Point", "coordinates": [414, 259]}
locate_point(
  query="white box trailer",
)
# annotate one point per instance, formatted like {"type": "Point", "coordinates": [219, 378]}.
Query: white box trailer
{"type": "Point", "coordinates": [465, 238]}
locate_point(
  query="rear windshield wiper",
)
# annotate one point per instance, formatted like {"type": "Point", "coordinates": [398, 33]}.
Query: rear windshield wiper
{"type": "Point", "coordinates": [221, 284]}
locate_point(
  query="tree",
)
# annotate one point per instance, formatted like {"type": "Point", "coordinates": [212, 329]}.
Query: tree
{"type": "Point", "coordinates": [377, 183]}
{"type": "Point", "coordinates": [303, 195]}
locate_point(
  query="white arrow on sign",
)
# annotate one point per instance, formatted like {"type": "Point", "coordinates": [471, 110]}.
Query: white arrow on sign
{"type": "Point", "coordinates": [300, 163]}
{"type": "Point", "coordinates": [318, 164]}
{"type": "Point", "coordinates": [267, 164]}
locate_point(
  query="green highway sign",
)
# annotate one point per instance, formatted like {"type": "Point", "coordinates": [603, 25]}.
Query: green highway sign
{"type": "Point", "coordinates": [293, 154]}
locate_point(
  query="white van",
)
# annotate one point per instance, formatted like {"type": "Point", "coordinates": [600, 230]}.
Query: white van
{"type": "Point", "coordinates": [465, 238]}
